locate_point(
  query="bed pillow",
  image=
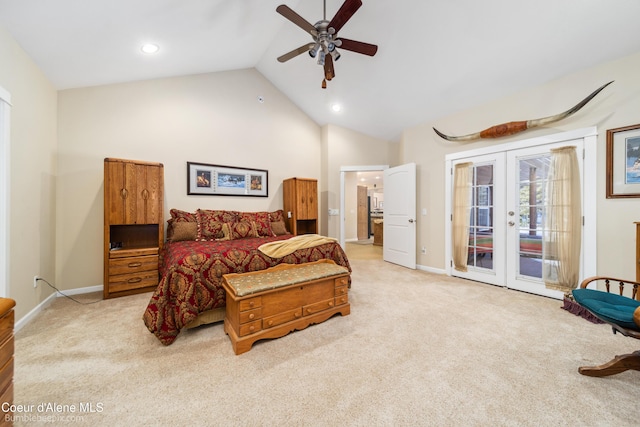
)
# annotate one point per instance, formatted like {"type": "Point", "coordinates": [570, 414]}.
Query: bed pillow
{"type": "Point", "coordinates": [184, 231]}
{"type": "Point", "coordinates": [279, 228]}
{"type": "Point", "coordinates": [178, 216]}
{"type": "Point", "coordinates": [210, 223]}
{"type": "Point", "coordinates": [263, 228]}
{"type": "Point", "coordinates": [261, 222]}
{"type": "Point", "coordinates": [276, 216]}
{"type": "Point", "coordinates": [240, 230]}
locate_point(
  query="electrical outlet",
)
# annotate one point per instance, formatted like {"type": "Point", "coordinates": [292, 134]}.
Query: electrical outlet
{"type": "Point", "coordinates": [35, 281]}
{"type": "Point", "coordinates": [424, 250]}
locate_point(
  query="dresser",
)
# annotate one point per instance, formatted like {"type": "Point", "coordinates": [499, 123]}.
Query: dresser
{"type": "Point", "coordinates": [6, 353]}
{"type": "Point", "coordinates": [133, 225]}
{"type": "Point", "coordinates": [300, 203]}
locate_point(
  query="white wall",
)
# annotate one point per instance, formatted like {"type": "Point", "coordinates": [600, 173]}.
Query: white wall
{"type": "Point", "coordinates": [33, 147]}
{"type": "Point", "coordinates": [617, 106]}
{"type": "Point", "coordinates": [210, 118]}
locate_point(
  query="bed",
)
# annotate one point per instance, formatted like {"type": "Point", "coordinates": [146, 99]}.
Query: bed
{"type": "Point", "coordinates": [191, 270]}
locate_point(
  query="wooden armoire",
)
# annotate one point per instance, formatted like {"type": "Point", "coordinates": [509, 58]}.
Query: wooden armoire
{"type": "Point", "coordinates": [133, 225]}
{"type": "Point", "coordinates": [300, 203]}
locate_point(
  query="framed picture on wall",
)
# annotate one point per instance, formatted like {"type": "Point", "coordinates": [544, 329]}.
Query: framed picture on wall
{"type": "Point", "coordinates": [218, 180]}
{"type": "Point", "coordinates": [623, 162]}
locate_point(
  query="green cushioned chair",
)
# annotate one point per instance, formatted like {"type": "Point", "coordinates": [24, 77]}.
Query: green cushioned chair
{"type": "Point", "coordinates": [621, 312]}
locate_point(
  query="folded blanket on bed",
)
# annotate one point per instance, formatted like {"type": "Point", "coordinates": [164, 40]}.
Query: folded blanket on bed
{"type": "Point", "coordinates": [283, 248]}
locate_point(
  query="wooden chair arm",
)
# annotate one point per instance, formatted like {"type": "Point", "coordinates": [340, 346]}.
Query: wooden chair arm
{"type": "Point", "coordinates": [607, 282]}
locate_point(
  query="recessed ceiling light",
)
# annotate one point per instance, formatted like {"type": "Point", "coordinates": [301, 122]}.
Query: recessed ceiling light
{"type": "Point", "coordinates": [336, 108]}
{"type": "Point", "coordinates": [150, 48]}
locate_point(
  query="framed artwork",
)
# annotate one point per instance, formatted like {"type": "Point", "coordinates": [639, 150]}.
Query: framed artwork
{"type": "Point", "coordinates": [623, 162]}
{"type": "Point", "coordinates": [218, 180]}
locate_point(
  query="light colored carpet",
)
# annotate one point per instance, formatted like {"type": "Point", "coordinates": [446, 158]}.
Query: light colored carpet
{"type": "Point", "coordinates": [356, 250]}
{"type": "Point", "coordinates": [417, 349]}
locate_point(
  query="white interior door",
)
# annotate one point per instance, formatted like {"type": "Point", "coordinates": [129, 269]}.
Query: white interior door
{"type": "Point", "coordinates": [399, 226]}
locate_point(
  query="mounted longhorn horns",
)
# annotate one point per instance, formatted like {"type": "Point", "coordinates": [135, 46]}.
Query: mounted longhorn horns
{"type": "Point", "coordinates": [506, 129]}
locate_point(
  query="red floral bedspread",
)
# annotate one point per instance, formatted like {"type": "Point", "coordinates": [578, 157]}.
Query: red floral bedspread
{"type": "Point", "coordinates": [191, 277]}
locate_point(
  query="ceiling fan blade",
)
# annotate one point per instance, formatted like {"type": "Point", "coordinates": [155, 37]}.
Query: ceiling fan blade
{"type": "Point", "coordinates": [292, 16]}
{"type": "Point", "coordinates": [295, 52]}
{"type": "Point", "coordinates": [358, 47]}
{"type": "Point", "coordinates": [345, 13]}
{"type": "Point", "coordinates": [329, 72]}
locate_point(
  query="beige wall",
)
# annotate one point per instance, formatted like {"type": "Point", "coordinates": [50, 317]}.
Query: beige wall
{"type": "Point", "coordinates": [345, 147]}
{"type": "Point", "coordinates": [616, 106]}
{"type": "Point", "coordinates": [33, 148]}
{"type": "Point", "coordinates": [210, 118]}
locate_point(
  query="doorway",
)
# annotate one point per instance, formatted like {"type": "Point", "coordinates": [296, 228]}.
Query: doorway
{"type": "Point", "coordinates": [507, 210]}
{"type": "Point", "coordinates": [5, 110]}
{"type": "Point", "coordinates": [355, 214]}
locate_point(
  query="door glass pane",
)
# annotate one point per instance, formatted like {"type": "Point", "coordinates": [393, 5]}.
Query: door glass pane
{"type": "Point", "coordinates": [532, 183]}
{"type": "Point", "coordinates": [481, 218]}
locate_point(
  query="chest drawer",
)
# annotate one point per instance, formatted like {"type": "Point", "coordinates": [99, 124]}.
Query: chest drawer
{"type": "Point", "coordinates": [342, 300]}
{"type": "Point", "coordinates": [6, 351]}
{"type": "Point", "coordinates": [250, 328]}
{"type": "Point", "coordinates": [6, 325]}
{"type": "Point", "coordinates": [342, 281]}
{"type": "Point", "coordinates": [281, 318]}
{"type": "Point", "coordinates": [251, 315]}
{"type": "Point", "coordinates": [133, 264]}
{"type": "Point", "coordinates": [310, 309]}
{"type": "Point", "coordinates": [250, 303]}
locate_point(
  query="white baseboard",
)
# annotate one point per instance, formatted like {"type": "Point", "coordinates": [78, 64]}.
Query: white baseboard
{"type": "Point", "coordinates": [431, 269]}
{"type": "Point", "coordinates": [44, 304]}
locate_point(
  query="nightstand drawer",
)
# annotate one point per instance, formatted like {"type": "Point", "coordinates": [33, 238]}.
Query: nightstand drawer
{"type": "Point", "coordinates": [126, 282]}
{"type": "Point", "coordinates": [133, 264]}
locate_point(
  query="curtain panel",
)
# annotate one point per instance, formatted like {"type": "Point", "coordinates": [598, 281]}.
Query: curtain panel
{"type": "Point", "coordinates": [461, 212]}
{"type": "Point", "coordinates": [563, 222]}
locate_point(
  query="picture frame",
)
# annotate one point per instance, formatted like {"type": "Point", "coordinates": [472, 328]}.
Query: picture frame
{"type": "Point", "coordinates": [219, 180]}
{"type": "Point", "coordinates": [623, 162]}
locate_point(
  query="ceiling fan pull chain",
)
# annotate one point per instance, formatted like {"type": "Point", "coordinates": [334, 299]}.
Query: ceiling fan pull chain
{"type": "Point", "coordinates": [324, 83]}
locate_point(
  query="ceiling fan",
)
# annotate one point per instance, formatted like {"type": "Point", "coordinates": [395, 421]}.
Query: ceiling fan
{"type": "Point", "coordinates": [325, 37]}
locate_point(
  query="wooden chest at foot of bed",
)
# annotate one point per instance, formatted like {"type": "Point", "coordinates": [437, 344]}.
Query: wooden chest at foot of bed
{"type": "Point", "coordinates": [273, 302]}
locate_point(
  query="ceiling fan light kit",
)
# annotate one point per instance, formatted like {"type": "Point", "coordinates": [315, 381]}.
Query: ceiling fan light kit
{"type": "Point", "coordinates": [325, 37]}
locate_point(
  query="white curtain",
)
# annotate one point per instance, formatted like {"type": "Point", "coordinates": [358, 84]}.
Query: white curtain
{"type": "Point", "coordinates": [461, 210]}
{"type": "Point", "coordinates": [563, 222]}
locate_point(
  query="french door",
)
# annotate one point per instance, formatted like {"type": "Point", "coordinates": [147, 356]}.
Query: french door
{"type": "Point", "coordinates": [507, 215]}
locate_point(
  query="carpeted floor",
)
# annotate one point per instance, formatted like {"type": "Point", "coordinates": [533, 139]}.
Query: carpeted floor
{"type": "Point", "coordinates": [417, 349]}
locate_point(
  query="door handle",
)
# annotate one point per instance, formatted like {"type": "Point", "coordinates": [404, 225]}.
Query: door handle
{"type": "Point", "coordinates": [411, 221]}
{"type": "Point", "coordinates": [511, 223]}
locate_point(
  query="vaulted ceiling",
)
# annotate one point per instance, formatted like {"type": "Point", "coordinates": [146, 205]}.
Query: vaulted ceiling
{"type": "Point", "coordinates": [435, 57]}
